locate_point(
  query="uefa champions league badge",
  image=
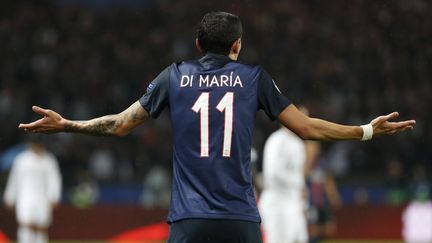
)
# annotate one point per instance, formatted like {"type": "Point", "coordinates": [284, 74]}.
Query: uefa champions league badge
{"type": "Point", "coordinates": [150, 87]}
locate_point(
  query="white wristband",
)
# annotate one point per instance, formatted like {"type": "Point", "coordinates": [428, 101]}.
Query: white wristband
{"type": "Point", "coordinates": [367, 132]}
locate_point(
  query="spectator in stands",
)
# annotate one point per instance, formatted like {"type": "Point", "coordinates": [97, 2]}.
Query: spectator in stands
{"type": "Point", "coordinates": [95, 60]}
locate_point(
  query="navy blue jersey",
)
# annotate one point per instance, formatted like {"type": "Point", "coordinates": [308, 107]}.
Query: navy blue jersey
{"type": "Point", "coordinates": [213, 103]}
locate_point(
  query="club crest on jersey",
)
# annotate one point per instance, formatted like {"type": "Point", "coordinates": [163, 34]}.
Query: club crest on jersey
{"type": "Point", "coordinates": [211, 81]}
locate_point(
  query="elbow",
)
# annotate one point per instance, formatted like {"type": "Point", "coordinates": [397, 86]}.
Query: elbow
{"type": "Point", "coordinates": [121, 132]}
{"type": "Point", "coordinates": [121, 128]}
{"type": "Point", "coordinates": [300, 124]}
{"type": "Point", "coordinates": [303, 129]}
{"type": "Point", "coordinates": [305, 132]}
{"type": "Point", "coordinates": [309, 133]}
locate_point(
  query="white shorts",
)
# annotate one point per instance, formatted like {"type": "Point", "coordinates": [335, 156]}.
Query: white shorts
{"type": "Point", "coordinates": [37, 214]}
{"type": "Point", "coordinates": [283, 222]}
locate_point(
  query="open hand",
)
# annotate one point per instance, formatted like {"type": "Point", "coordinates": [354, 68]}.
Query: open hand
{"type": "Point", "coordinates": [51, 122]}
{"type": "Point", "coordinates": [382, 125]}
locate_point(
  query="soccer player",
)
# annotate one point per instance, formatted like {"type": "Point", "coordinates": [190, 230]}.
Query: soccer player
{"type": "Point", "coordinates": [32, 189]}
{"type": "Point", "coordinates": [212, 103]}
{"type": "Point", "coordinates": [283, 201]}
{"type": "Point", "coordinates": [324, 198]}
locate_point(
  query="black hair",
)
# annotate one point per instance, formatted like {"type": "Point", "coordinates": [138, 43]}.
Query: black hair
{"type": "Point", "coordinates": [217, 31]}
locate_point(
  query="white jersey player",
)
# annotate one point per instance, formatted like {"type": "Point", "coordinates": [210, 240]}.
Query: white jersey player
{"type": "Point", "coordinates": [33, 188]}
{"type": "Point", "coordinates": [282, 203]}
{"type": "Point", "coordinates": [417, 222]}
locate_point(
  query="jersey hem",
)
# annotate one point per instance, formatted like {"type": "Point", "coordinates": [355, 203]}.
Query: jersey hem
{"type": "Point", "coordinates": [214, 216]}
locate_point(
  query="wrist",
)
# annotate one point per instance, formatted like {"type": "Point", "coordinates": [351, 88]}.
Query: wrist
{"type": "Point", "coordinates": [367, 132]}
{"type": "Point", "coordinates": [67, 125]}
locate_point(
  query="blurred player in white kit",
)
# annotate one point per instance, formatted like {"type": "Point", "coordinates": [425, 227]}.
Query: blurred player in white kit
{"type": "Point", "coordinates": [283, 200]}
{"type": "Point", "coordinates": [33, 189]}
{"type": "Point", "coordinates": [417, 216]}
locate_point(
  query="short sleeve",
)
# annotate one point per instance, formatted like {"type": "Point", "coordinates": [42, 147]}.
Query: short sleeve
{"type": "Point", "coordinates": [156, 97]}
{"type": "Point", "coordinates": [270, 99]}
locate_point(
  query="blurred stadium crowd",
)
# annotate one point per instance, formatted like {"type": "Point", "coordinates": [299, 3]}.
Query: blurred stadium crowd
{"type": "Point", "coordinates": [348, 61]}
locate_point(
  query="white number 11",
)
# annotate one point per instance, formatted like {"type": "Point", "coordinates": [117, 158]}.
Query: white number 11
{"type": "Point", "coordinates": [225, 104]}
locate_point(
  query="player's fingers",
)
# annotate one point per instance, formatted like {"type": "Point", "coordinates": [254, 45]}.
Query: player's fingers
{"type": "Point", "coordinates": [406, 128]}
{"type": "Point", "coordinates": [392, 115]}
{"type": "Point", "coordinates": [381, 119]}
{"type": "Point", "coordinates": [404, 123]}
{"type": "Point", "coordinates": [411, 122]}
{"type": "Point", "coordinates": [40, 111]}
{"type": "Point", "coordinates": [37, 130]}
{"type": "Point", "coordinates": [401, 127]}
{"type": "Point", "coordinates": [25, 126]}
{"type": "Point", "coordinates": [30, 125]}
{"type": "Point", "coordinates": [28, 128]}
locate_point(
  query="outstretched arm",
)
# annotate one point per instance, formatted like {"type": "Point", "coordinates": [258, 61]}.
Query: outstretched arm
{"type": "Point", "coordinates": [318, 129]}
{"type": "Point", "coordinates": [111, 125]}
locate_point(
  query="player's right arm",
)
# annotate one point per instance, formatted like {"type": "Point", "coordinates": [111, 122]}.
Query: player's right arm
{"type": "Point", "coordinates": [111, 125]}
{"type": "Point", "coordinates": [150, 104]}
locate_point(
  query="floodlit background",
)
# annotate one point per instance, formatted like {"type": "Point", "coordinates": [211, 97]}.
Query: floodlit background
{"type": "Point", "coordinates": [347, 61]}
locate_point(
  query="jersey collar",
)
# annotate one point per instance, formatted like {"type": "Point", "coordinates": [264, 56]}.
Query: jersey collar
{"type": "Point", "coordinates": [212, 60]}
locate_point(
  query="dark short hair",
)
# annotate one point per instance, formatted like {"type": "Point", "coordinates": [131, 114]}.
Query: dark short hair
{"type": "Point", "coordinates": [217, 31]}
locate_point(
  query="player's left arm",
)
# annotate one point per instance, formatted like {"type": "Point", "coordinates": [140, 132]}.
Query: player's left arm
{"type": "Point", "coordinates": [11, 189]}
{"type": "Point", "coordinates": [313, 149]}
{"type": "Point", "coordinates": [332, 192]}
{"type": "Point", "coordinates": [318, 129]}
{"type": "Point", "coordinates": [111, 125]}
{"type": "Point", "coordinates": [54, 184]}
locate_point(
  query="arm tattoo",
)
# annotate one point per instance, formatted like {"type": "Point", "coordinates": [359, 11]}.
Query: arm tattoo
{"type": "Point", "coordinates": [119, 124]}
{"type": "Point", "coordinates": [102, 126]}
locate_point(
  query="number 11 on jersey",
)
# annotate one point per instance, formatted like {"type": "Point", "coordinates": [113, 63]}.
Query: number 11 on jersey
{"type": "Point", "coordinates": [226, 104]}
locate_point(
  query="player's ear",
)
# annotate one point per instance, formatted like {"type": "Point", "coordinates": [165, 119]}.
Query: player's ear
{"type": "Point", "coordinates": [198, 45]}
{"type": "Point", "coordinates": [236, 46]}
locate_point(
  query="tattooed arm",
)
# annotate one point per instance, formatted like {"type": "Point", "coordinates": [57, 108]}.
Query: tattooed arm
{"type": "Point", "coordinates": [111, 125]}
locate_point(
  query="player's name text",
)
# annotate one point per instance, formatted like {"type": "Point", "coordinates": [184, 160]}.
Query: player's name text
{"type": "Point", "coordinates": [211, 81]}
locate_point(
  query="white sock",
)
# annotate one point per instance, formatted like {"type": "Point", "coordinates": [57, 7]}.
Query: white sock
{"type": "Point", "coordinates": [41, 237]}
{"type": "Point", "coordinates": [25, 235]}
